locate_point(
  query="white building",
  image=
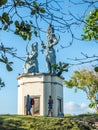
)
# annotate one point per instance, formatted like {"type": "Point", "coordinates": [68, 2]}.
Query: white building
{"type": "Point", "coordinates": [40, 86]}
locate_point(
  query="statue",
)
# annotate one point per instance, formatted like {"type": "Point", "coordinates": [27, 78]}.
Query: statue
{"type": "Point", "coordinates": [31, 62]}
{"type": "Point", "coordinates": [50, 51]}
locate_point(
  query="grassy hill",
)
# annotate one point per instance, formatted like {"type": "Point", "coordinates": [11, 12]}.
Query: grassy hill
{"type": "Point", "coordinates": [81, 122]}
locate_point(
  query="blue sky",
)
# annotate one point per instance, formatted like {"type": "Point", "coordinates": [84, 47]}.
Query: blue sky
{"type": "Point", "coordinates": [74, 103]}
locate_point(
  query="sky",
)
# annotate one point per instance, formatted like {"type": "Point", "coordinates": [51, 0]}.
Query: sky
{"type": "Point", "coordinates": [74, 103]}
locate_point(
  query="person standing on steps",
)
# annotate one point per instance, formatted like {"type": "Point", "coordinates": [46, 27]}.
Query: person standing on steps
{"type": "Point", "coordinates": [50, 106]}
{"type": "Point", "coordinates": [28, 105]}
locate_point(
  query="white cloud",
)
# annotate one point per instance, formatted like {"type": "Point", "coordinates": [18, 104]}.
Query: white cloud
{"type": "Point", "coordinates": [74, 108]}
{"type": "Point", "coordinates": [83, 105]}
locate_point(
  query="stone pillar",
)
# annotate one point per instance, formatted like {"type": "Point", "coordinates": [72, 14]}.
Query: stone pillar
{"type": "Point", "coordinates": [40, 85]}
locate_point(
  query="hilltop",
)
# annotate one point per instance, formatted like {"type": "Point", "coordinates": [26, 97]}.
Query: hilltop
{"type": "Point", "coordinates": [81, 122]}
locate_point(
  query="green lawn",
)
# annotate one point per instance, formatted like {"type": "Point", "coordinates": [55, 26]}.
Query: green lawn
{"type": "Point", "coordinates": [15, 122]}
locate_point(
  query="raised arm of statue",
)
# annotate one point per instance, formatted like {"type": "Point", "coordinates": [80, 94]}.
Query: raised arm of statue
{"type": "Point", "coordinates": [51, 37]}
{"type": "Point", "coordinates": [51, 40]}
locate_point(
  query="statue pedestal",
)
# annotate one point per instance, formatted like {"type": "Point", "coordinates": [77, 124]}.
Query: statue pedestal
{"type": "Point", "coordinates": [40, 86]}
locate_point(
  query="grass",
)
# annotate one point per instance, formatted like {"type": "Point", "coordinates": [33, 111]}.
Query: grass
{"type": "Point", "coordinates": [16, 122]}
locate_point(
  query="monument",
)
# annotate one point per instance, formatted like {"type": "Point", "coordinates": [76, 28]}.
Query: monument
{"type": "Point", "coordinates": [31, 62]}
{"type": "Point", "coordinates": [50, 51]}
{"type": "Point", "coordinates": [41, 85]}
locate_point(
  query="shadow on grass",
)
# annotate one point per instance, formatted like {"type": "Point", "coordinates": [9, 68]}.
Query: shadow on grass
{"type": "Point", "coordinates": [10, 124]}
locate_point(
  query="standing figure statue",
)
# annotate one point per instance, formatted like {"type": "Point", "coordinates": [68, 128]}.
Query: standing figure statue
{"type": "Point", "coordinates": [31, 62]}
{"type": "Point", "coordinates": [50, 51]}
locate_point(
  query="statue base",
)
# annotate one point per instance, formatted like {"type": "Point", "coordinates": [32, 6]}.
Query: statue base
{"type": "Point", "coordinates": [40, 86]}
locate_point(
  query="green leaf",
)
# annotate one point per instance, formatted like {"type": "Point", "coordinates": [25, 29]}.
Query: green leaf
{"type": "Point", "coordinates": [5, 16]}
{"type": "Point", "coordinates": [29, 36]}
{"type": "Point", "coordinates": [2, 2]}
{"type": "Point", "coordinates": [5, 27]}
{"type": "Point", "coordinates": [35, 4]}
{"type": "Point", "coordinates": [91, 105]}
{"type": "Point", "coordinates": [42, 10]}
{"type": "Point", "coordinates": [1, 60]}
{"type": "Point", "coordinates": [24, 37]}
{"type": "Point", "coordinates": [54, 66]}
{"type": "Point", "coordinates": [35, 32]}
{"type": "Point", "coordinates": [31, 22]}
{"type": "Point", "coordinates": [9, 68]}
{"type": "Point", "coordinates": [10, 63]}
{"type": "Point", "coordinates": [21, 3]}
{"type": "Point", "coordinates": [66, 65]}
{"type": "Point", "coordinates": [33, 12]}
{"type": "Point", "coordinates": [16, 23]}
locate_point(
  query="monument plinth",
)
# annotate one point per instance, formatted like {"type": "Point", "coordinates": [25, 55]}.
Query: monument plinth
{"type": "Point", "coordinates": [40, 86]}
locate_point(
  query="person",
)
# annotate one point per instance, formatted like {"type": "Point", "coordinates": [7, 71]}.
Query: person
{"type": "Point", "coordinates": [50, 51]}
{"type": "Point", "coordinates": [28, 105]}
{"type": "Point", "coordinates": [31, 62]}
{"type": "Point", "coordinates": [50, 105]}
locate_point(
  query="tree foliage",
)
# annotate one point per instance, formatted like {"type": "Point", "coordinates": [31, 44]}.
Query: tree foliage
{"type": "Point", "coordinates": [60, 68]}
{"type": "Point", "coordinates": [4, 51]}
{"type": "Point", "coordinates": [91, 26]}
{"type": "Point", "coordinates": [86, 81]}
{"type": "Point", "coordinates": [27, 24]}
{"type": "Point", "coordinates": [91, 29]}
{"type": "Point", "coordinates": [13, 10]}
